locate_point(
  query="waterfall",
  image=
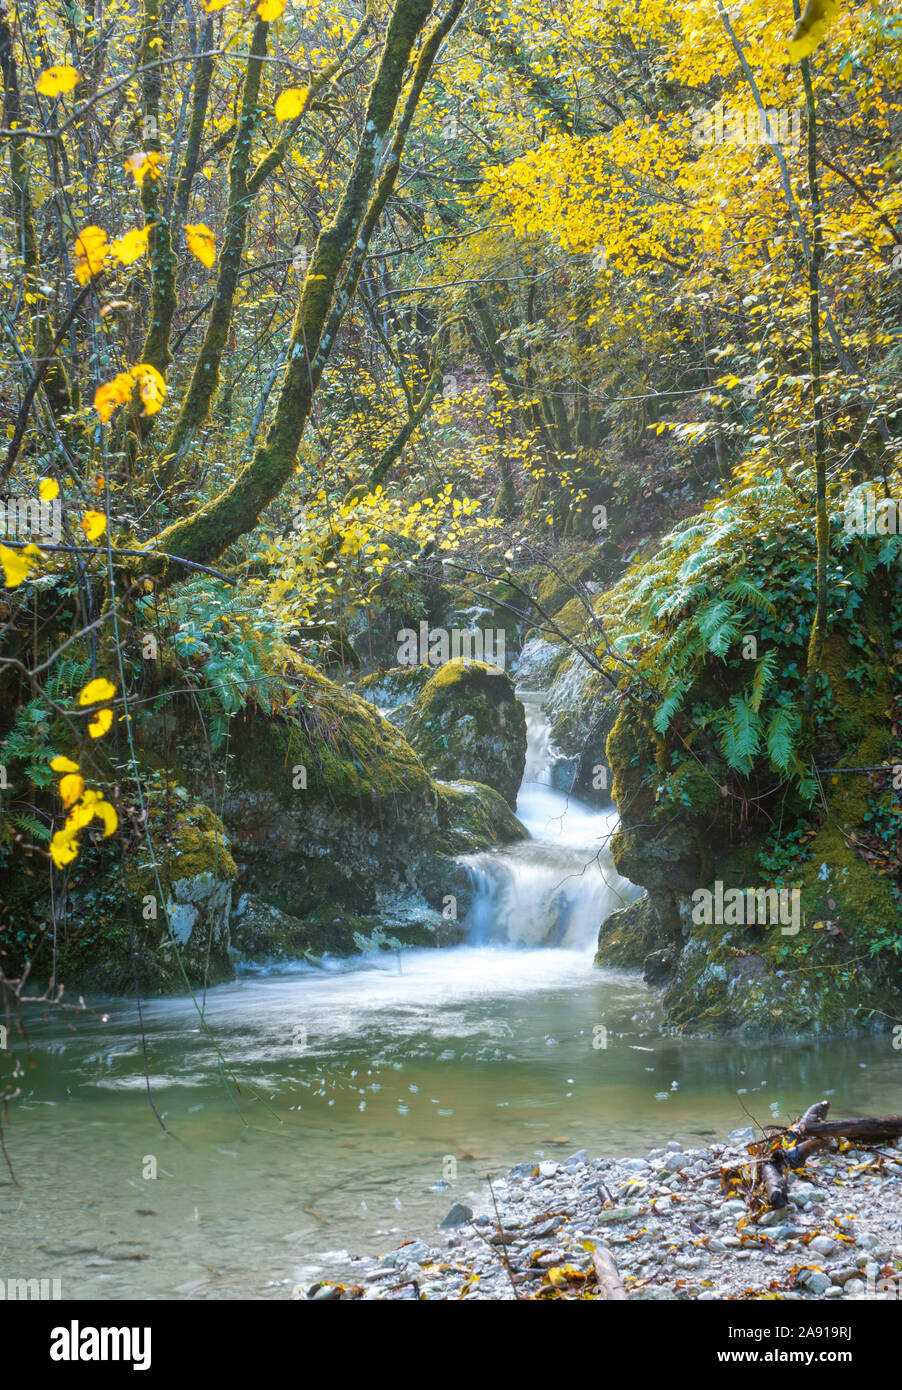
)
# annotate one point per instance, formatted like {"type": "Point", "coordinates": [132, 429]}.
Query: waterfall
{"type": "Point", "coordinates": [557, 887]}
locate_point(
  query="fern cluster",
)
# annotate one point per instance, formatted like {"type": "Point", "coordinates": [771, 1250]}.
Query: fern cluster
{"type": "Point", "coordinates": [717, 622]}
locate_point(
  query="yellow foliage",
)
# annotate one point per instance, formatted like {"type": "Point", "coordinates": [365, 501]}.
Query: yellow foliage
{"type": "Point", "coordinates": [93, 523]}
{"type": "Point", "coordinates": [96, 690]}
{"type": "Point", "coordinates": [143, 164]}
{"type": "Point", "coordinates": [53, 81]}
{"type": "Point", "coordinates": [129, 248]}
{"type": "Point", "coordinates": [811, 29]}
{"type": "Point", "coordinates": [100, 723]}
{"type": "Point", "coordinates": [71, 788]}
{"type": "Point", "coordinates": [201, 242]}
{"type": "Point", "coordinates": [291, 103]}
{"type": "Point", "coordinates": [151, 387]}
{"type": "Point", "coordinates": [17, 563]}
{"type": "Point", "coordinates": [91, 250]}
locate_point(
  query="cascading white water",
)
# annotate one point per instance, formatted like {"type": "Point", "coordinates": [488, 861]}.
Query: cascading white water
{"type": "Point", "coordinates": [556, 888]}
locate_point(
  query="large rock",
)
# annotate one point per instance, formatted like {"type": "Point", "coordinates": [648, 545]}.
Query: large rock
{"type": "Point", "coordinates": [582, 708]}
{"type": "Point", "coordinates": [467, 723]}
{"type": "Point", "coordinates": [336, 824]}
{"type": "Point", "coordinates": [162, 926]}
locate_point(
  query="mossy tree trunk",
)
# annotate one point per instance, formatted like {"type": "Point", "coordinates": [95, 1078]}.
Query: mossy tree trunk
{"type": "Point", "coordinates": [819, 626]}
{"type": "Point", "coordinates": [55, 381]}
{"type": "Point", "coordinates": [205, 376]}
{"type": "Point", "coordinates": [332, 276]}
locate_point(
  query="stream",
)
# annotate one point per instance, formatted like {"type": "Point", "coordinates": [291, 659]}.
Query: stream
{"type": "Point", "coordinates": [377, 1092]}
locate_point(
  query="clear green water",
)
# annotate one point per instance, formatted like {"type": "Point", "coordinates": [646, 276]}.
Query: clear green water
{"type": "Point", "coordinates": [374, 1095]}
{"type": "Point", "coordinates": [482, 1054]}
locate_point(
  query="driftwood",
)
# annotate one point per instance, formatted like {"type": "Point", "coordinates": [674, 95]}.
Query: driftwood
{"type": "Point", "coordinates": [769, 1171]}
{"type": "Point", "coordinates": [772, 1173]}
{"type": "Point", "coordinates": [607, 1277]}
{"type": "Point", "coordinates": [868, 1131]}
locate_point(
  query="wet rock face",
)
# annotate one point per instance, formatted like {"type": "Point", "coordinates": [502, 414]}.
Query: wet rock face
{"type": "Point", "coordinates": [582, 708]}
{"type": "Point", "coordinates": [467, 723]}
{"type": "Point", "coordinates": [195, 875]}
{"type": "Point", "coordinates": [340, 834]}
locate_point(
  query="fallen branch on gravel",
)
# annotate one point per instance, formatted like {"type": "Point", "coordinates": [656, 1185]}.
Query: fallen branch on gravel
{"type": "Point", "coordinates": [765, 1175]}
{"type": "Point", "coordinates": [607, 1276]}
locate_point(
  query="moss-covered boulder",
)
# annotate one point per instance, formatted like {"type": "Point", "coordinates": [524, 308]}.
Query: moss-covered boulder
{"type": "Point", "coordinates": [336, 824]}
{"type": "Point", "coordinates": [630, 939]}
{"type": "Point", "coordinates": [393, 692]}
{"type": "Point", "coordinates": [825, 957]}
{"type": "Point", "coordinates": [161, 922]}
{"type": "Point", "coordinates": [467, 723]}
{"type": "Point", "coordinates": [262, 934]}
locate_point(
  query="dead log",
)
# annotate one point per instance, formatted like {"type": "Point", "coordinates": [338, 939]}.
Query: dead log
{"type": "Point", "coordinates": [870, 1131]}
{"type": "Point", "coordinates": [798, 1155]}
{"type": "Point", "coordinates": [607, 1277]}
{"type": "Point", "coordinates": [772, 1174]}
{"type": "Point", "coordinates": [815, 1114]}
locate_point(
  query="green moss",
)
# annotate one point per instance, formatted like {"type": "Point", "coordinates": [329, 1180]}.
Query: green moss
{"type": "Point", "coordinates": [467, 722]}
{"type": "Point", "coordinates": [116, 927]}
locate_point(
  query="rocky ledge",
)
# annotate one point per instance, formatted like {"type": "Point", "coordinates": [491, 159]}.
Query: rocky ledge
{"type": "Point", "coordinates": [669, 1226]}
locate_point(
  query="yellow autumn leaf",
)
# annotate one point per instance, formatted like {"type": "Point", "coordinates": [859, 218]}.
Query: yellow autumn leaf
{"type": "Point", "coordinates": [100, 723]}
{"type": "Point", "coordinates": [71, 788]}
{"type": "Point", "coordinates": [201, 242]}
{"type": "Point", "coordinates": [129, 248]}
{"type": "Point", "coordinates": [82, 813]}
{"type": "Point", "coordinates": [63, 848]}
{"type": "Point", "coordinates": [112, 394]}
{"type": "Point", "coordinates": [151, 387]}
{"type": "Point", "coordinates": [291, 103]}
{"type": "Point", "coordinates": [215, 5]}
{"type": "Point", "coordinates": [48, 488]}
{"type": "Point", "coordinates": [271, 9]}
{"type": "Point", "coordinates": [93, 805]}
{"type": "Point", "coordinates": [91, 250]}
{"type": "Point", "coordinates": [97, 690]}
{"type": "Point", "coordinates": [16, 564]}
{"type": "Point", "coordinates": [811, 29]}
{"type": "Point", "coordinates": [60, 78]}
{"type": "Point", "coordinates": [93, 524]}
{"type": "Point", "coordinates": [143, 164]}
{"type": "Point", "coordinates": [63, 764]}
{"type": "Point", "coordinates": [105, 812]}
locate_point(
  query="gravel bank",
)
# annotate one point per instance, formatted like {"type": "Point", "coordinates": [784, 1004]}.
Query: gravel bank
{"type": "Point", "coordinates": [672, 1231]}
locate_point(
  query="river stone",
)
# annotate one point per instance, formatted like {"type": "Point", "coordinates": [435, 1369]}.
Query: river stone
{"type": "Point", "coordinates": [823, 1245]}
{"type": "Point", "coordinates": [773, 1217]}
{"type": "Point", "coordinates": [415, 1252]}
{"type": "Point", "coordinates": [815, 1281]}
{"type": "Point", "coordinates": [459, 1215]}
{"type": "Point", "coordinates": [738, 1137]}
{"type": "Point", "coordinates": [619, 1214]}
